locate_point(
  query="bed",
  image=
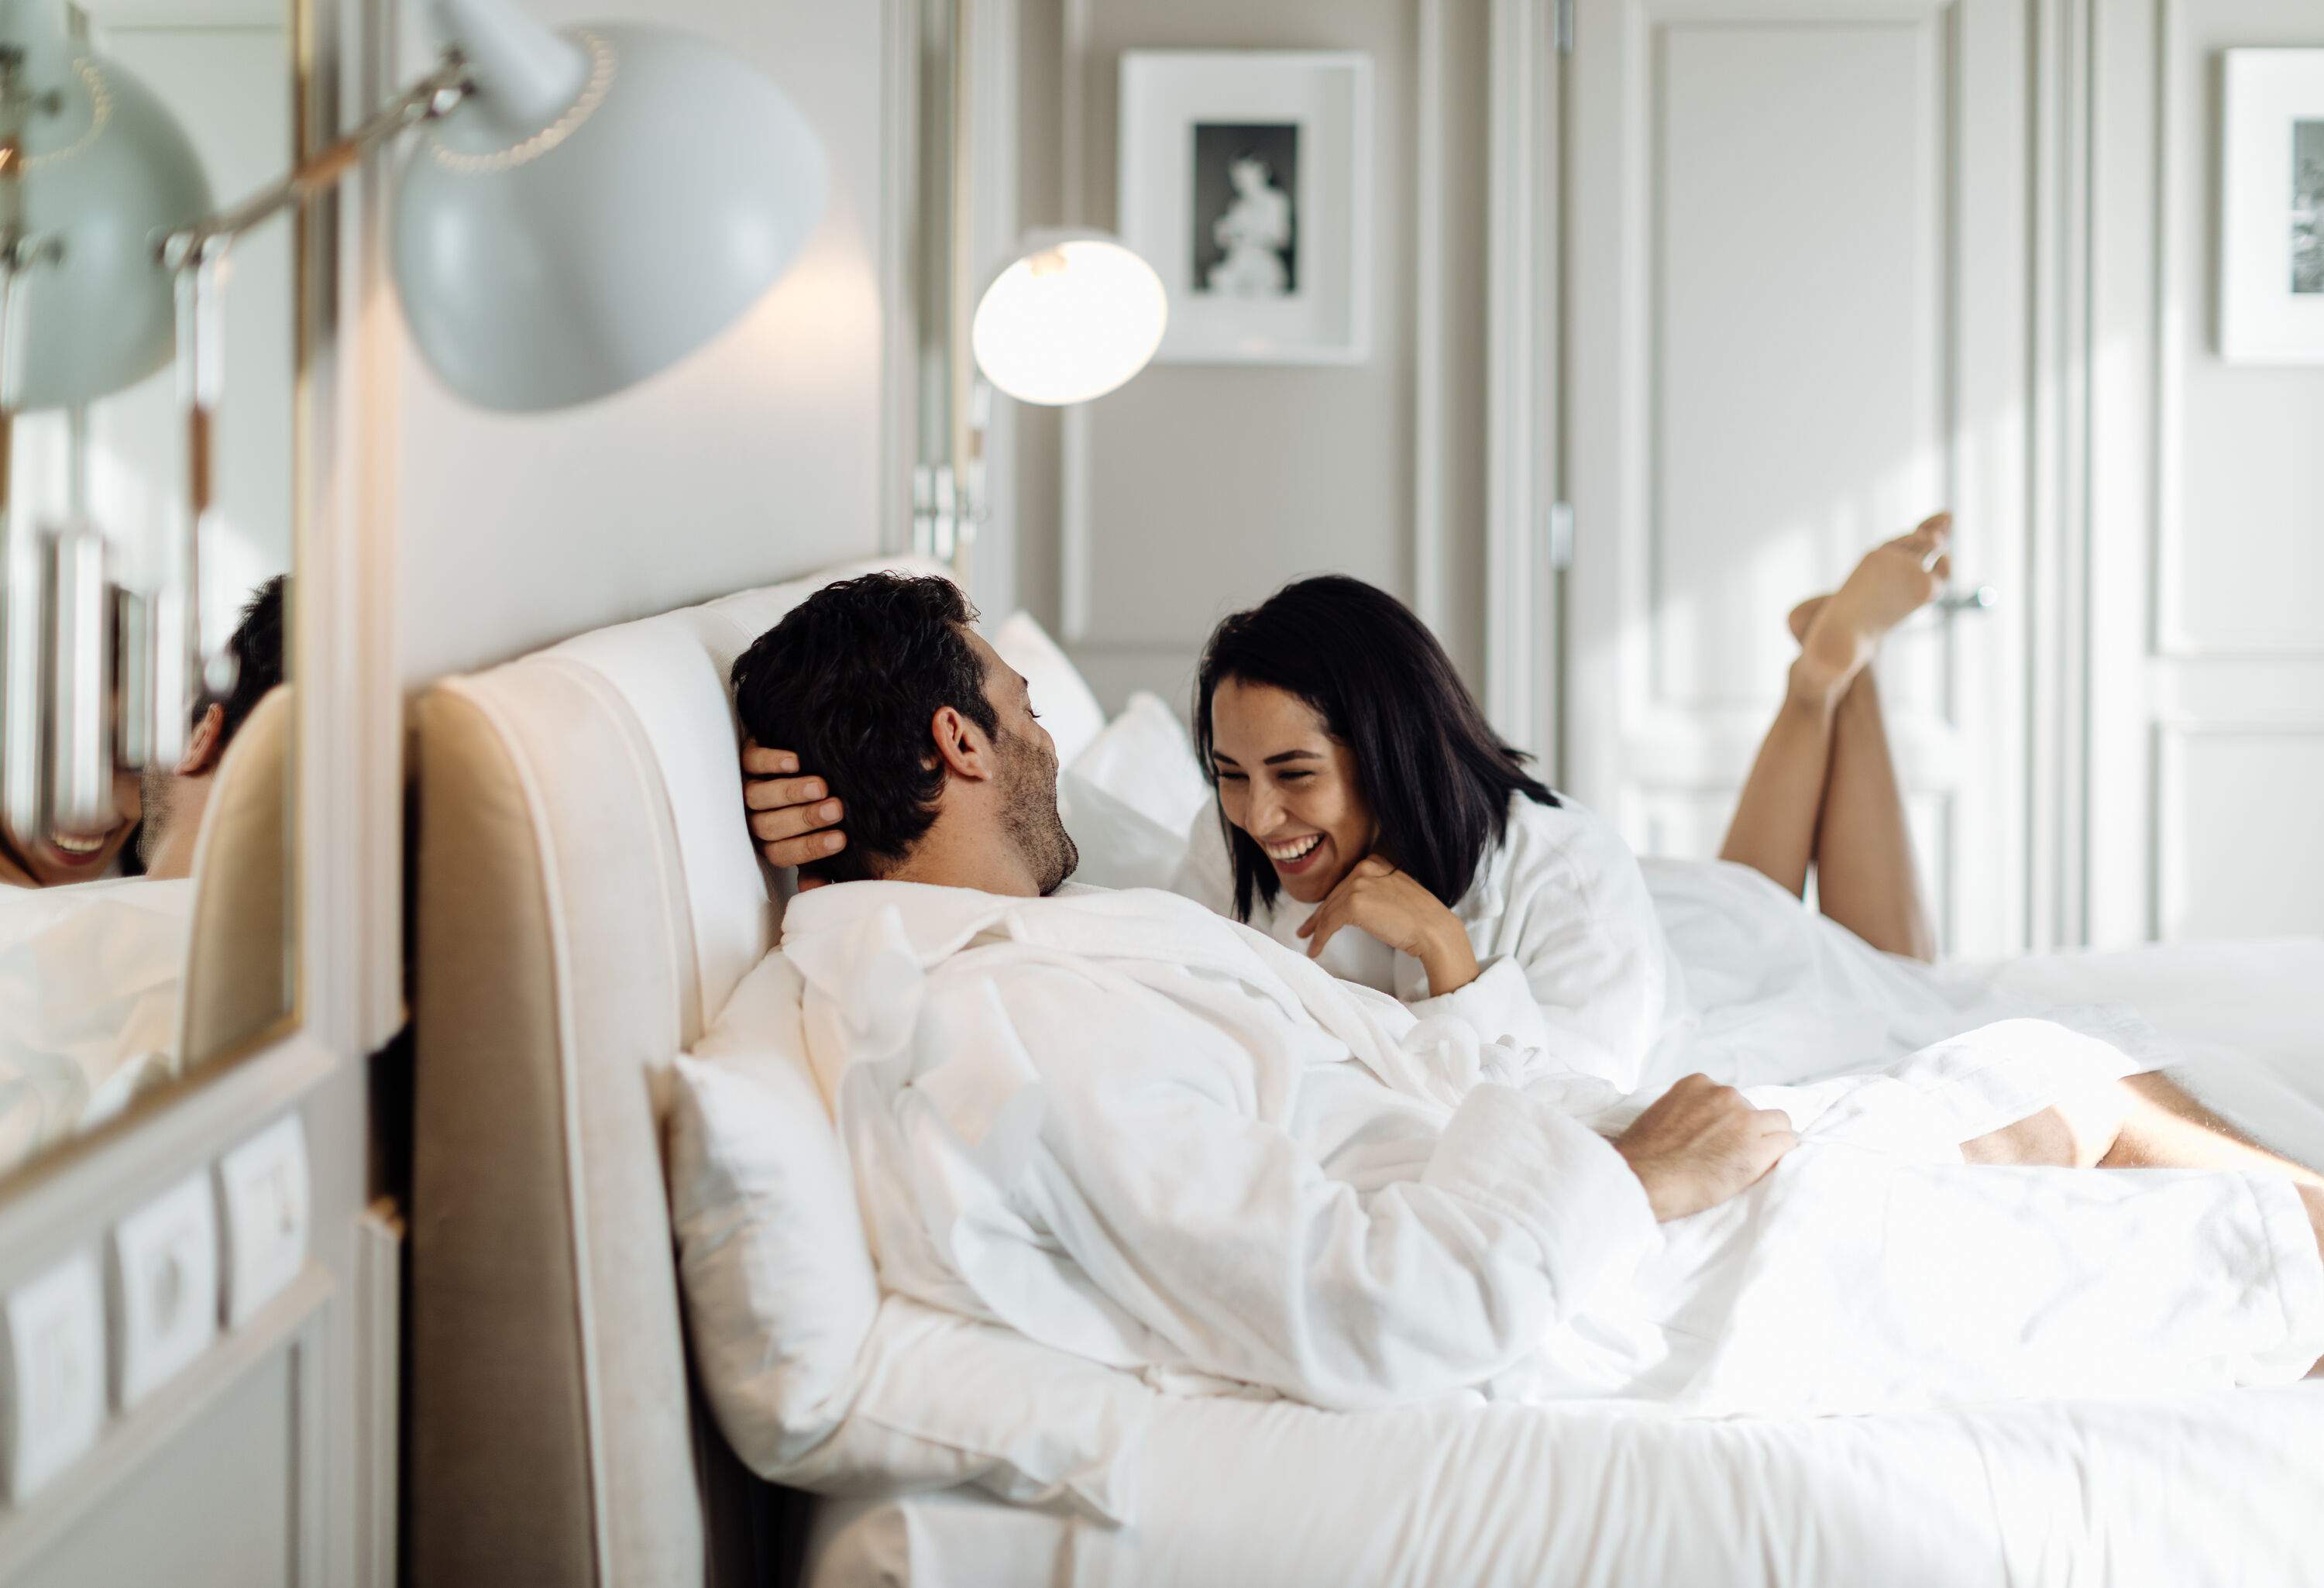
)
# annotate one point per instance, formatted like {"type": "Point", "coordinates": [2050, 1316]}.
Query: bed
{"type": "Point", "coordinates": [589, 899]}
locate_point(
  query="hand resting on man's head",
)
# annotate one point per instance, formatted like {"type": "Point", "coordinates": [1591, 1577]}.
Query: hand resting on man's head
{"type": "Point", "coordinates": [790, 817]}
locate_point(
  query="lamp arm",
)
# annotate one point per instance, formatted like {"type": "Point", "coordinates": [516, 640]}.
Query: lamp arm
{"type": "Point", "coordinates": [432, 96]}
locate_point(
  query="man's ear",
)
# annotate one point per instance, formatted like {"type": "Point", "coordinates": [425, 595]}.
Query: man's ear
{"type": "Point", "coordinates": [964, 748]}
{"type": "Point", "coordinates": [201, 756]}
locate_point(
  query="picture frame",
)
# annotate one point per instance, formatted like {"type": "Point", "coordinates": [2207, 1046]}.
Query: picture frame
{"type": "Point", "coordinates": [1246, 180]}
{"type": "Point", "coordinates": [2271, 207]}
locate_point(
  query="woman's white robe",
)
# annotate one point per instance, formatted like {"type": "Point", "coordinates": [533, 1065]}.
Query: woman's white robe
{"type": "Point", "coordinates": [1133, 1130]}
{"type": "Point", "coordinates": [1646, 971]}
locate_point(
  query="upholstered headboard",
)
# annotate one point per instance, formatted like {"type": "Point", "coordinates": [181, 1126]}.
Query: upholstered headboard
{"type": "Point", "coordinates": [236, 974]}
{"type": "Point", "coordinates": [588, 896]}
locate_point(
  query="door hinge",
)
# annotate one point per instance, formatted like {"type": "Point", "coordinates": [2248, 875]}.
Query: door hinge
{"type": "Point", "coordinates": [1561, 26]}
{"type": "Point", "coordinates": [1561, 536]}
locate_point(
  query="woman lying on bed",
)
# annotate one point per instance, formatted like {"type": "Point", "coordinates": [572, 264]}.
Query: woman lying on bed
{"type": "Point", "coordinates": [1359, 786]}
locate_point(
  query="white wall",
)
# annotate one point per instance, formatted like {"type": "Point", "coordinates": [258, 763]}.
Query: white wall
{"type": "Point", "coordinates": [1208, 487]}
{"type": "Point", "coordinates": [756, 459]}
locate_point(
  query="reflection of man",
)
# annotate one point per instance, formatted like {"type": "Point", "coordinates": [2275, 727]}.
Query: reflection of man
{"type": "Point", "coordinates": [175, 800]}
{"type": "Point", "coordinates": [1138, 1131]}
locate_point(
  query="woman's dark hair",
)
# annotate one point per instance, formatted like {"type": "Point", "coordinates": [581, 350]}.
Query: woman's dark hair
{"type": "Point", "coordinates": [1436, 776]}
{"type": "Point", "coordinates": [850, 679]}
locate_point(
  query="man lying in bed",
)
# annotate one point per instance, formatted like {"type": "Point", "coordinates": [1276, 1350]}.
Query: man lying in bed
{"type": "Point", "coordinates": [1132, 1129]}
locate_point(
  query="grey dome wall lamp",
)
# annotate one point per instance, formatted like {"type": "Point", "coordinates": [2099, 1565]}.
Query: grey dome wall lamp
{"type": "Point", "coordinates": [578, 212]}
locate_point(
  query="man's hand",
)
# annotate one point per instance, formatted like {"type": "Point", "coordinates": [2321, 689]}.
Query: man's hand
{"type": "Point", "coordinates": [789, 816]}
{"type": "Point", "coordinates": [1701, 1143]}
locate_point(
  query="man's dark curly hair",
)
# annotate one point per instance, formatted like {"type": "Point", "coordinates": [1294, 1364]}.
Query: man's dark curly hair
{"type": "Point", "coordinates": [850, 679]}
{"type": "Point", "coordinates": [257, 647]}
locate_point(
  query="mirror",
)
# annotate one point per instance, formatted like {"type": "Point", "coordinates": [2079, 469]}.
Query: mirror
{"type": "Point", "coordinates": [143, 946]}
{"type": "Point", "coordinates": [944, 462]}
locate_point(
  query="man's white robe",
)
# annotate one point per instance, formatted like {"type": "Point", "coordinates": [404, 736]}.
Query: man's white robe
{"type": "Point", "coordinates": [1133, 1130]}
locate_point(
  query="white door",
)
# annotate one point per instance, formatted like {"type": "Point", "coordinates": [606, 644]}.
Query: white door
{"type": "Point", "coordinates": [1796, 259]}
{"type": "Point", "coordinates": [2208, 570]}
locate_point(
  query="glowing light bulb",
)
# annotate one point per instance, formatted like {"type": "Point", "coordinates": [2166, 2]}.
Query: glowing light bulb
{"type": "Point", "coordinates": [1071, 319]}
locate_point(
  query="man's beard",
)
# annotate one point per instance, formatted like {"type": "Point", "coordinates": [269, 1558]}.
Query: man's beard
{"type": "Point", "coordinates": [1030, 811]}
{"type": "Point", "coordinates": [157, 787]}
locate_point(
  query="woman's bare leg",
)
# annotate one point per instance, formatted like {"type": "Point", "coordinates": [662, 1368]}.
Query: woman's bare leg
{"type": "Point", "coordinates": [1816, 751]}
{"type": "Point", "coordinates": [1867, 878]}
{"type": "Point", "coordinates": [1774, 829]}
{"type": "Point", "coordinates": [2164, 1128]}
{"type": "Point", "coordinates": [2141, 1122]}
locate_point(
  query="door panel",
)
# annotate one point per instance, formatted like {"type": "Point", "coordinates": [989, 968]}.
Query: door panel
{"type": "Point", "coordinates": [2206, 711]}
{"type": "Point", "coordinates": [1795, 250]}
{"type": "Point", "coordinates": [1796, 307]}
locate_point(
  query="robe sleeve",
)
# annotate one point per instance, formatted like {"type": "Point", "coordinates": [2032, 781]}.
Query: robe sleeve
{"type": "Point", "coordinates": [1592, 951]}
{"type": "Point", "coordinates": [1223, 1233]}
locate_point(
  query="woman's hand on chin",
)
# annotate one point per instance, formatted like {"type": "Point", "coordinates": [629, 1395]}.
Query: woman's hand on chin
{"type": "Point", "coordinates": [1376, 898]}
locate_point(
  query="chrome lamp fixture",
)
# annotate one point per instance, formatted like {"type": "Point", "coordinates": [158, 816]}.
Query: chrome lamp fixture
{"type": "Point", "coordinates": [580, 211]}
{"type": "Point", "coordinates": [1072, 315]}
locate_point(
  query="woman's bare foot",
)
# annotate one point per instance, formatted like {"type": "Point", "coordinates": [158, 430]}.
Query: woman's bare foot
{"type": "Point", "coordinates": [1802, 617]}
{"type": "Point", "coordinates": [1839, 637]}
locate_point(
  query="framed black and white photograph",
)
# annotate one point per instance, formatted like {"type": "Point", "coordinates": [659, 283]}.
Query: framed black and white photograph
{"type": "Point", "coordinates": [2272, 207]}
{"type": "Point", "coordinates": [1246, 183]}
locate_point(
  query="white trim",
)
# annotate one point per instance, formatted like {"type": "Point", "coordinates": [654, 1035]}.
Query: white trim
{"type": "Point", "coordinates": [66, 1202]}
{"type": "Point", "coordinates": [2057, 585]}
{"type": "Point", "coordinates": [313, 1408]}
{"type": "Point", "coordinates": [2171, 738]}
{"type": "Point", "coordinates": [1074, 553]}
{"type": "Point", "coordinates": [994, 224]}
{"type": "Point", "coordinates": [350, 731]}
{"type": "Point", "coordinates": [1516, 326]}
{"type": "Point", "coordinates": [379, 1333]}
{"type": "Point", "coordinates": [2131, 420]}
{"type": "Point", "coordinates": [1428, 351]}
{"type": "Point", "coordinates": [899, 408]}
{"type": "Point", "coordinates": [1073, 460]}
{"type": "Point", "coordinates": [153, 1427]}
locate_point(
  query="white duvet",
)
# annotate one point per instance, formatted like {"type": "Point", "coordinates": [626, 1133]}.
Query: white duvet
{"type": "Point", "coordinates": [2225, 1487]}
{"type": "Point", "coordinates": [1127, 1128]}
{"type": "Point", "coordinates": [89, 977]}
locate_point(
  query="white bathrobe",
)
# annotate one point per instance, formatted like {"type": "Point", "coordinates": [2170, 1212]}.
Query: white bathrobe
{"type": "Point", "coordinates": [88, 1004]}
{"type": "Point", "coordinates": [1646, 971]}
{"type": "Point", "coordinates": [1133, 1130]}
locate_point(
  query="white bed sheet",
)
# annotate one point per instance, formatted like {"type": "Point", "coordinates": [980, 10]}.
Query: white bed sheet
{"type": "Point", "coordinates": [2225, 1488]}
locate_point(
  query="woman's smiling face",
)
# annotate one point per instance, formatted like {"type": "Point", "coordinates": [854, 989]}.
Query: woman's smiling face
{"type": "Point", "coordinates": [1288, 784]}
{"type": "Point", "coordinates": [57, 858]}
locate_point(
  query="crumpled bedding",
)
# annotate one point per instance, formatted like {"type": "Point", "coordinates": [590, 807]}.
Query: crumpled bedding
{"type": "Point", "coordinates": [89, 978]}
{"type": "Point", "coordinates": [2219, 1486]}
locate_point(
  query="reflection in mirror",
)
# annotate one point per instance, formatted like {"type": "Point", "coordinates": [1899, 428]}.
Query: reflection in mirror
{"type": "Point", "coordinates": [144, 860]}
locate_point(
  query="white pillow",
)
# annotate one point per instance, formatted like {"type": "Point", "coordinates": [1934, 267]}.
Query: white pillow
{"type": "Point", "coordinates": [778, 1281]}
{"type": "Point", "coordinates": [1067, 707]}
{"type": "Point", "coordinates": [814, 1378]}
{"type": "Point", "coordinates": [1121, 847]}
{"type": "Point", "coordinates": [1145, 760]}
